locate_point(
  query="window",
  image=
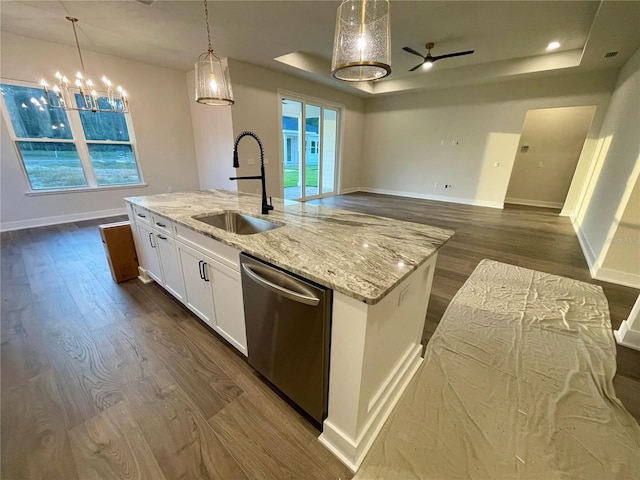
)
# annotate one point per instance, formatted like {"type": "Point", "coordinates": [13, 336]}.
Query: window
{"type": "Point", "coordinates": [63, 150]}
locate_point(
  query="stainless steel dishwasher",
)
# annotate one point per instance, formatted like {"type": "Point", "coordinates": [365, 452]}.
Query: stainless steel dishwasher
{"type": "Point", "coordinates": [288, 321]}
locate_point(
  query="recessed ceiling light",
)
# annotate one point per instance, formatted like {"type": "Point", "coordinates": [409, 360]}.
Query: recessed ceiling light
{"type": "Point", "coordinates": [553, 45]}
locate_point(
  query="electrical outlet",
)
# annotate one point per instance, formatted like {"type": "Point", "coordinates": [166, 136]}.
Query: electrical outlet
{"type": "Point", "coordinates": [251, 161]}
{"type": "Point", "coordinates": [435, 184]}
{"type": "Point", "coordinates": [540, 164]}
{"type": "Point", "coordinates": [497, 164]}
{"type": "Point", "coordinates": [170, 189]}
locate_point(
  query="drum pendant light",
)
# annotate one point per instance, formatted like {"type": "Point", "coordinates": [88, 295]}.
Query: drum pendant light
{"type": "Point", "coordinates": [362, 44]}
{"type": "Point", "coordinates": [213, 84]}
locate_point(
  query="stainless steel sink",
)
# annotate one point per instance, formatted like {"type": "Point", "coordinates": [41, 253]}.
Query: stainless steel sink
{"type": "Point", "coordinates": [238, 223]}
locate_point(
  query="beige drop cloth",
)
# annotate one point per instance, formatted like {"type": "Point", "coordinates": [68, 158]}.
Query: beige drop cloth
{"type": "Point", "coordinates": [516, 383]}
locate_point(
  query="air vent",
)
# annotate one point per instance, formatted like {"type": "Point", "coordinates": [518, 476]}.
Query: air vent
{"type": "Point", "coordinates": [610, 54]}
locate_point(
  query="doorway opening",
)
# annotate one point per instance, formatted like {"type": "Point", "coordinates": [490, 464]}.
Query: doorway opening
{"type": "Point", "coordinates": [550, 145]}
{"type": "Point", "coordinates": [310, 148]}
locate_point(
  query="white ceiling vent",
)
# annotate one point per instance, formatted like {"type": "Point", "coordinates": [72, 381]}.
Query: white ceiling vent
{"type": "Point", "coordinates": [610, 54]}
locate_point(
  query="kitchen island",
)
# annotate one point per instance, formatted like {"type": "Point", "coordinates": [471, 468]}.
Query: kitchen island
{"type": "Point", "coordinates": [380, 271]}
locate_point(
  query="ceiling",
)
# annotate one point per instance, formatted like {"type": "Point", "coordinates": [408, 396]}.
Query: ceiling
{"type": "Point", "coordinates": [509, 38]}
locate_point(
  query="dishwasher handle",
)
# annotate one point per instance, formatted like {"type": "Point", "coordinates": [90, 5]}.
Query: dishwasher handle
{"type": "Point", "coordinates": [285, 292]}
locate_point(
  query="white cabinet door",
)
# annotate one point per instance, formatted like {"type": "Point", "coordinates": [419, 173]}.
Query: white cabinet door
{"type": "Point", "coordinates": [172, 273]}
{"type": "Point", "coordinates": [198, 294]}
{"type": "Point", "coordinates": [227, 300]}
{"type": "Point", "coordinates": [148, 242]}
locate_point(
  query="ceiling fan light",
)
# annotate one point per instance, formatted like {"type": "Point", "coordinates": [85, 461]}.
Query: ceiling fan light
{"type": "Point", "coordinates": [362, 46]}
{"type": "Point", "coordinates": [553, 46]}
{"type": "Point", "coordinates": [427, 65]}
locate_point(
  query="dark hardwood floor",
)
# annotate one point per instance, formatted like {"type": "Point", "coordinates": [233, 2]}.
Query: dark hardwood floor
{"type": "Point", "coordinates": [109, 381]}
{"type": "Point", "coordinates": [101, 380]}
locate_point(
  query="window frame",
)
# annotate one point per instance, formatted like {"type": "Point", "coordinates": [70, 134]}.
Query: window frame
{"type": "Point", "coordinates": [323, 104]}
{"type": "Point", "coordinates": [80, 142]}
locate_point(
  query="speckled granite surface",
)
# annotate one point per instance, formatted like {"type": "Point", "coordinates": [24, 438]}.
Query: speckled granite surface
{"type": "Point", "coordinates": [362, 256]}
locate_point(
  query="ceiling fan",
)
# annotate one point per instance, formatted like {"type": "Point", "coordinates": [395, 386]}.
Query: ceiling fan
{"type": "Point", "coordinates": [427, 60]}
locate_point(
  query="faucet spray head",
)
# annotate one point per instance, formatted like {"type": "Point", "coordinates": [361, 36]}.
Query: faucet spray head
{"type": "Point", "coordinates": [236, 163]}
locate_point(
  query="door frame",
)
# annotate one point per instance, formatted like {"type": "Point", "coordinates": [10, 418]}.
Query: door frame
{"type": "Point", "coordinates": [307, 99]}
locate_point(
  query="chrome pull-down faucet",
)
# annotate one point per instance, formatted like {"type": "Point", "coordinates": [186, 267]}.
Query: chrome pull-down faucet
{"type": "Point", "coordinates": [266, 207]}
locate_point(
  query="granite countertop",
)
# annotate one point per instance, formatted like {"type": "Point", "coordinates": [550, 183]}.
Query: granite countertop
{"type": "Point", "coordinates": [362, 256]}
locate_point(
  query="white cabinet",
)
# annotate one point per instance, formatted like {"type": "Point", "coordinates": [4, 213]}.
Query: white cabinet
{"type": "Point", "coordinates": [227, 301]}
{"type": "Point", "coordinates": [159, 256]}
{"type": "Point", "coordinates": [149, 252]}
{"type": "Point", "coordinates": [203, 273]}
{"type": "Point", "coordinates": [214, 293]}
{"type": "Point", "coordinates": [198, 293]}
{"type": "Point", "coordinates": [171, 270]}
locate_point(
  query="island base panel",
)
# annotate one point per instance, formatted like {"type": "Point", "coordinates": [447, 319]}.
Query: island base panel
{"type": "Point", "coordinates": [375, 352]}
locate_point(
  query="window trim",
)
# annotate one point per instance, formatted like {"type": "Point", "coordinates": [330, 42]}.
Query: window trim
{"type": "Point", "coordinates": [80, 142]}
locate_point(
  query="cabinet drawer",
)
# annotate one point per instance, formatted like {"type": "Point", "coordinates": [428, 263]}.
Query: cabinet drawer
{"type": "Point", "coordinates": [217, 250]}
{"type": "Point", "coordinates": [142, 215]}
{"type": "Point", "coordinates": [163, 225]}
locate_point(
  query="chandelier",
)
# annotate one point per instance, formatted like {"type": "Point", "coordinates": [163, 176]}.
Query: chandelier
{"type": "Point", "coordinates": [361, 48]}
{"type": "Point", "coordinates": [213, 84]}
{"type": "Point", "coordinates": [82, 94]}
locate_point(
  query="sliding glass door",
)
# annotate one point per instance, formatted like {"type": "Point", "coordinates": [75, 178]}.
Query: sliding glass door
{"type": "Point", "coordinates": [310, 146]}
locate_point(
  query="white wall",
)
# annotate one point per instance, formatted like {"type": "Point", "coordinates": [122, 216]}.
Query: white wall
{"type": "Point", "coordinates": [161, 119]}
{"type": "Point", "coordinates": [616, 170]}
{"type": "Point", "coordinates": [553, 138]}
{"type": "Point", "coordinates": [623, 254]}
{"type": "Point", "coordinates": [408, 138]}
{"type": "Point", "coordinates": [256, 109]}
{"type": "Point", "coordinates": [213, 137]}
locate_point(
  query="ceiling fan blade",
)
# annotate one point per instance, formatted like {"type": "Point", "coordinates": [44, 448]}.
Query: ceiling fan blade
{"type": "Point", "coordinates": [449, 55]}
{"type": "Point", "coordinates": [417, 67]}
{"type": "Point", "coordinates": [411, 50]}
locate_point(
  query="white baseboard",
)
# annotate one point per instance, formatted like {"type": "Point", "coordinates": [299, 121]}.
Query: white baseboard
{"type": "Point", "coordinates": [627, 337]}
{"type": "Point", "coordinates": [55, 220]}
{"type": "Point", "coordinates": [352, 452]}
{"type": "Point", "coordinates": [599, 273]}
{"type": "Point", "coordinates": [587, 250]}
{"type": "Point", "coordinates": [533, 203]}
{"type": "Point", "coordinates": [438, 198]}
{"type": "Point", "coordinates": [615, 276]}
{"type": "Point", "coordinates": [344, 191]}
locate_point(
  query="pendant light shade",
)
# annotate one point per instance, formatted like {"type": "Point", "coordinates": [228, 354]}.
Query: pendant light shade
{"type": "Point", "coordinates": [213, 84]}
{"type": "Point", "coordinates": [362, 44]}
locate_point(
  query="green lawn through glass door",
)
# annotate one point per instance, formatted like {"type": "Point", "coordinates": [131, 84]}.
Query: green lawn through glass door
{"type": "Point", "coordinates": [291, 176]}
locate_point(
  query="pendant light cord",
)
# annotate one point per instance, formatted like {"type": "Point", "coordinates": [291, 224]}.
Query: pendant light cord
{"type": "Point", "coordinates": [206, 17]}
{"type": "Point", "coordinates": [75, 34]}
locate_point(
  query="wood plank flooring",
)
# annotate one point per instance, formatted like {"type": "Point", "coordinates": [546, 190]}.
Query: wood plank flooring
{"type": "Point", "coordinates": [108, 381]}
